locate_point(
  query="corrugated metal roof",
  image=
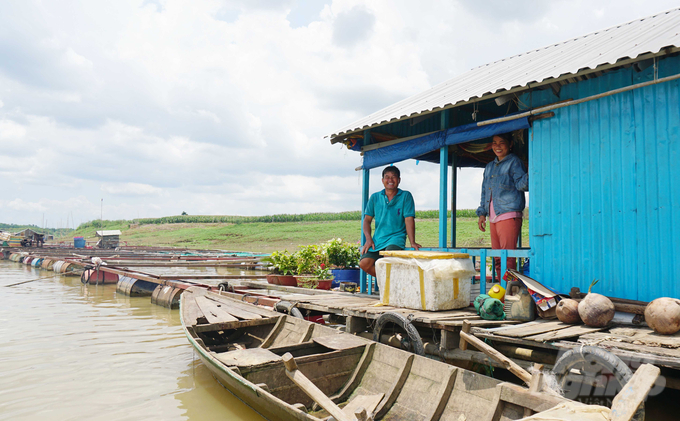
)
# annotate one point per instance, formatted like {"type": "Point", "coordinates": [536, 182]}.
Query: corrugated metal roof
{"type": "Point", "coordinates": [577, 56]}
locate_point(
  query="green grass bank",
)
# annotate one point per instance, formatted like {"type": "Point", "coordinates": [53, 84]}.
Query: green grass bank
{"type": "Point", "coordinates": [275, 232]}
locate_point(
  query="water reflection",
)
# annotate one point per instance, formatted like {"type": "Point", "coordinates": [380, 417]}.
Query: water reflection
{"type": "Point", "coordinates": [70, 351]}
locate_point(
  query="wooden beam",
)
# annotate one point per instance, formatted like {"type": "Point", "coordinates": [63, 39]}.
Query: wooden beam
{"type": "Point", "coordinates": [507, 362]}
{"type": "Point", "coordinates": [535, 385]}
{"type": "Point", "coordinates": [234, 325]}
{"type": "Point", "coordinates": [627, 401]}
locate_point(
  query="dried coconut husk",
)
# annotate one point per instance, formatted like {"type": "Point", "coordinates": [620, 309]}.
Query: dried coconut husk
{"type": "Point", "coordinates": [596, 310]}
{"type": "Point", "coordinates": [567, 311]}
{"type": "Point", "coordinates": [663, 315]}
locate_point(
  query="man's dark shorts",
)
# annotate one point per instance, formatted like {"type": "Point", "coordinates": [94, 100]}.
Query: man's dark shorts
{"type": "Point", "coordinates": [375, 255]}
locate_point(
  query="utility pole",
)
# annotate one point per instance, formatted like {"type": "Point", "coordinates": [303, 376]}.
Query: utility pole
{"type": "Point", "coordinates": [101, 215]}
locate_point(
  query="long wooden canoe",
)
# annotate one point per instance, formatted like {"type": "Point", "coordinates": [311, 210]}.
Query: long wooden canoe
{"type": "Point", "coordinates": [242, 345]}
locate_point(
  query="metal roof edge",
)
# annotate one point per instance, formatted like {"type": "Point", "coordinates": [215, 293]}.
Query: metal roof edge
{"type": "Point", "coordinates": [666, 50]}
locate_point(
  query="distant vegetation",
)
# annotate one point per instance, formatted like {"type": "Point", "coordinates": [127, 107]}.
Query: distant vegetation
{"type": "Point", "coordinates": [57, 232]}
{"type": "Point", "coordinates": [285, 217]}
{"type": "Point", "coordinates": [288, 232]}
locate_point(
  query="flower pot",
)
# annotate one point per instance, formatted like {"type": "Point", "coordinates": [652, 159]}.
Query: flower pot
{"type": "Point", "coordinates": [312, 283]}
{"type": "Point", "coordinates": [345, 275]}
{"type": "Point", "coordinates": [285, 280]}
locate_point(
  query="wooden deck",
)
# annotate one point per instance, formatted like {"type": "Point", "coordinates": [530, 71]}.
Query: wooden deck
{"type": "Point", "coordinates": [369, 308]}
{"type": "Point", "coordinates": [539, 341]}
{"type": "Point", "coordinates": [633, 343]}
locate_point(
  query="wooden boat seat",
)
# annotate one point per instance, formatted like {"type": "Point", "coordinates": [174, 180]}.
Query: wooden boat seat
{"type": "Point", "coordinates": [247, 357]}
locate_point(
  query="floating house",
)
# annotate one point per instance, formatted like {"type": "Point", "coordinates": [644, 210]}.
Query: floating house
{"type": "Point", "coordinates": [109, 239]}
{"type": "Point", "coordinates": [596, 119]}
{"type": "Point", "coordinates": [31, 237]}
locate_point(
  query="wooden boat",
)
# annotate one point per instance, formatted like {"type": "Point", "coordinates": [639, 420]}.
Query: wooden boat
{"type": "Point", "coordinates": [243, 345]}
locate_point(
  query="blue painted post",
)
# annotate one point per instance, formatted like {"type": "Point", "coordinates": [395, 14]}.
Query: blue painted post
{"type": "Point", "coordinates": [364, 201]}
{"type": "Point", "coordinates": [482, 271]}
{"type": "Point", "coordinates": [504, 265]}
{"type": "Point", "coordinates": [443, 180]}
{"type": "Point", "coordinates": [454, 196]}
{"type": "Point", "coordinates": [443, 193]}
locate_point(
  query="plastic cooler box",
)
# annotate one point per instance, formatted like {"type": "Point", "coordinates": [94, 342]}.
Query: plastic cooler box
{"type": "Point", "coordinates": [424, 280]}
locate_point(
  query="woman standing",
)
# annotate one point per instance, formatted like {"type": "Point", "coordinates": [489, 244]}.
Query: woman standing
{"type": "Point", "coordinates": [505, 182]}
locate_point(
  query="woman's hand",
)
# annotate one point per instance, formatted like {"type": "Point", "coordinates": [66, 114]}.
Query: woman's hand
{"type": "Point", "coordinates": [481, 223]}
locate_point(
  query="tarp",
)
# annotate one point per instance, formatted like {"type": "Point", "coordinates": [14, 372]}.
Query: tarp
{"type": "Point", "coordinates": [432, 142]}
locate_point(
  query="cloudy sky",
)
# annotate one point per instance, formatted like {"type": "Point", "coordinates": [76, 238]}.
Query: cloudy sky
{"type": "Point", "coordinates": [221, 107]}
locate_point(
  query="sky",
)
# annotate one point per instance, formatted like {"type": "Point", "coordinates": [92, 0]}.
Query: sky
{"type": "Point", "coordinates": [148, 108]}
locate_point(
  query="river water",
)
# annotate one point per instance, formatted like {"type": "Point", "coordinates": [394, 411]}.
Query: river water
{"type": "Point", "coordinates": [73, 352]}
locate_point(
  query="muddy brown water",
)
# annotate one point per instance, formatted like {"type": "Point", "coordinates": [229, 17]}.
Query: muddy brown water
{"type": "Point", "coordinates": [73, 352]}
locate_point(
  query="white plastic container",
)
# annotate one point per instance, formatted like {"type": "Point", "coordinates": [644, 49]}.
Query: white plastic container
{"type": "Point", "coordinates": [425, 280]}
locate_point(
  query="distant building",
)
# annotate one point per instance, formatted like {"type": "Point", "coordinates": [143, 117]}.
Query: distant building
{"type": "Point", "coordinates": [31, 238]}
{"type": "Point", "coordinates": [109, 239]}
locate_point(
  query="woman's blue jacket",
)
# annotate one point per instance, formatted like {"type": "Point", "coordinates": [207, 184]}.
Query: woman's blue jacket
{"type": "Point", "coordinates": [505, 181]}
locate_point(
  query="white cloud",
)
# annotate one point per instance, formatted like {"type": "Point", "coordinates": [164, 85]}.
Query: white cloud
{"type": "Point", "coordinates": [23, 206]}
{"type": "Point", "coordinates": [214, 108]}
{"type": "Point", "coordinates": [130, 189]}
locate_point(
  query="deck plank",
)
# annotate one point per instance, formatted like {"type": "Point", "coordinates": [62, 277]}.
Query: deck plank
{"type": "Point", "coordinates": [570, 332]}
{"type": "Point", "coordinates": [536, 329]}
{"type": "Point", "coordinates": [235, 310]}
{"type": "Point", "coordinates": [212, 312]}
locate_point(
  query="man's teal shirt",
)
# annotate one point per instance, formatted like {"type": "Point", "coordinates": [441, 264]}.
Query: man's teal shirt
{"type": "Point", "coordinates": [390, 225]}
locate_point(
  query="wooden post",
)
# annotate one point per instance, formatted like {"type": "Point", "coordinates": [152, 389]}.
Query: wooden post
{"type": "Point", "coordinates": [354, 324]}
{"type": "Point", "coordinates": [507, 363]}
{"type": "Point", "coordinates": [311, 390]}
{"type": "Point", "coordinates": [465, 329]}
{"type": "Point", "coordinates": [449, 339]}
{"type": "Point", "coordinates": [535, 385]}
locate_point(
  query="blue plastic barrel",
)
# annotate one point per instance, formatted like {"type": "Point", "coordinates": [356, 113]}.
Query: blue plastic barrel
{"type": "Point", "coordinates": [78, 242]}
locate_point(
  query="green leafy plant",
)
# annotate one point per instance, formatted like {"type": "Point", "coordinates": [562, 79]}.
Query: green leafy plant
{"type": "Point", "coordinates": [323, 272]}
{"type": "Point", "coordinates": [310, 258]}
{"type": "Point", "coordinates": [283, 262]}
{"type": "Point", "coordinates": [342, 254]}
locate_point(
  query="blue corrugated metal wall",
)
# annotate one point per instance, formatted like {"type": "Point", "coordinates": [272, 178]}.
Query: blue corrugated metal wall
{"type": "Point", "coordinates": [605, 187]}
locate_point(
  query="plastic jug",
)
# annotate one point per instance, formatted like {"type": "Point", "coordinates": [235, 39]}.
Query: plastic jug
{"type": "Point", "coordinates": [520, 306]}
{"type": "Point", "coordinates": [497, 292]}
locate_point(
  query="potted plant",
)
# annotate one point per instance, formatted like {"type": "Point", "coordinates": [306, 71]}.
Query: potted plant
{"type": "Point", "coordinates": [285, 268]}
{"type": "Point", "coordinates": [313, 268]}
{"type": "Point", "coordinates": [344, 258]}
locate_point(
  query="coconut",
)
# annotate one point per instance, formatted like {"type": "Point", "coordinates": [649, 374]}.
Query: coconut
{"type": "Point", "coordinates": [596, 310]}
{"type": "Point", "coordinates": [567, 311]}
{"type": "Point", "coordinates": [663, 315]}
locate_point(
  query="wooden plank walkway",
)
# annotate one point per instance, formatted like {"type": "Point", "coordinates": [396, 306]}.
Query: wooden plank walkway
{"type": "Point", "coordinates": [365, 307]}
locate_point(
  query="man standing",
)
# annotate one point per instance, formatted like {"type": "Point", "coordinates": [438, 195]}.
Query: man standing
{"type": "Point", "coordinates": [394, 212]}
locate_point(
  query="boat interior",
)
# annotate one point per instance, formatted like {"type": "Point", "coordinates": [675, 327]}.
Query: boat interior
{"type": "Point", "coordinates": [354, 372]}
